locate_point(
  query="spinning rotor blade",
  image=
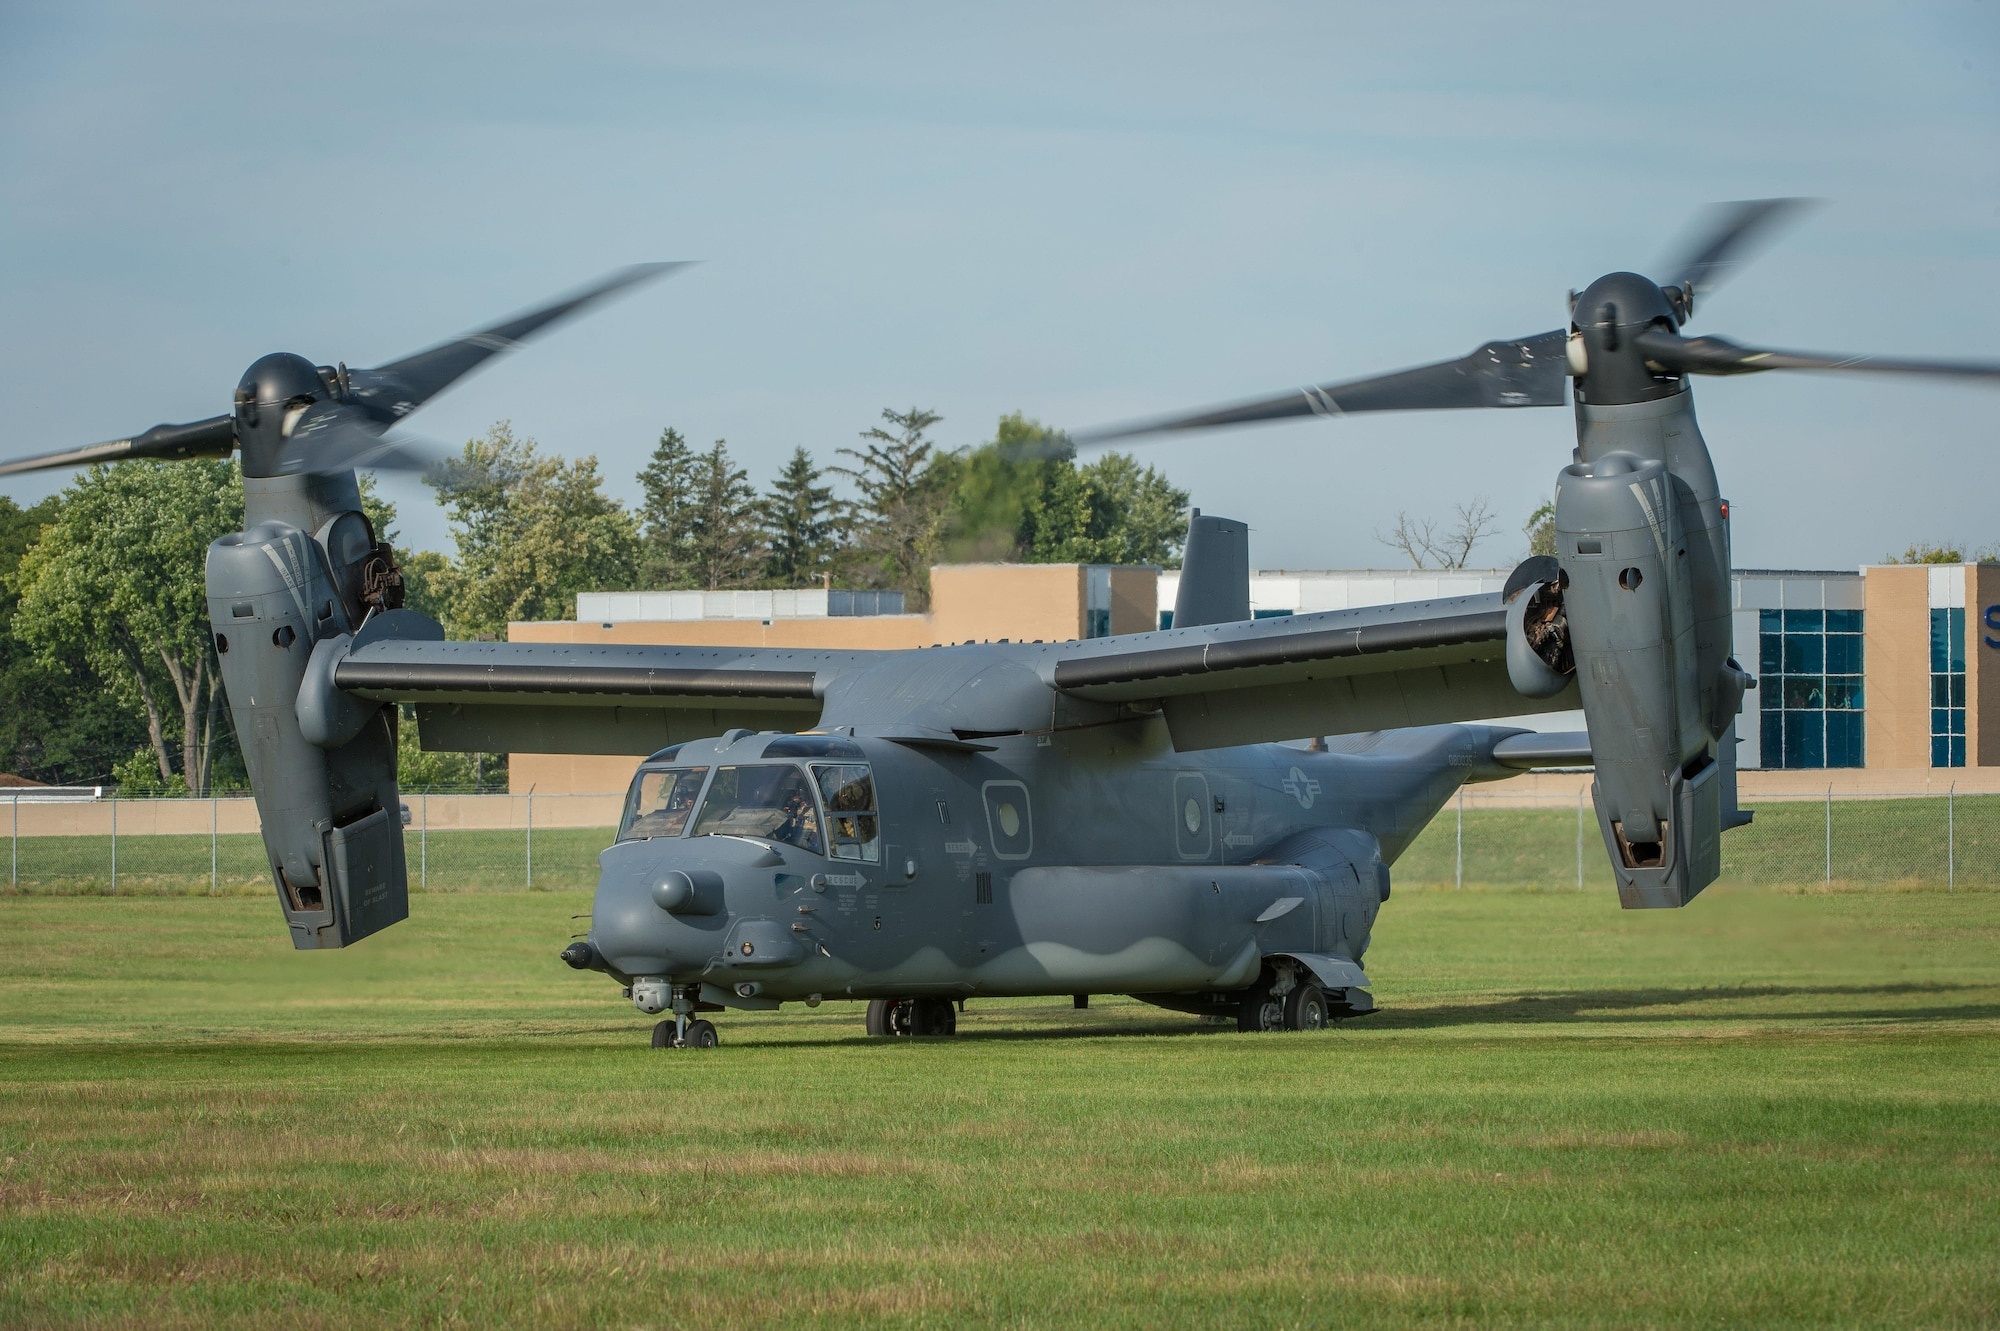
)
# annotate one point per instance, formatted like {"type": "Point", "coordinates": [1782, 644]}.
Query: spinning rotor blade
{"type": "Point", "coordinates": [333, 436]}
{"type": "Point", "coordinates": [390, 392]}
{"type": "Point", "coordinates": [1716, 355]}
{"type": "Point", "coordinates": [1723, 245]}
{"type": "Point", "coordinates": [1522, 372]}
{"type": "Point", "coordinates": [212, 438]}
{"type": "Point", "coordinates": [349, 412]}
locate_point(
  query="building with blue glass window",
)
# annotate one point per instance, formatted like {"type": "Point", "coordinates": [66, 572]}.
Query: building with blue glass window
{"type": "Point", "coordinates": [1876, 667]}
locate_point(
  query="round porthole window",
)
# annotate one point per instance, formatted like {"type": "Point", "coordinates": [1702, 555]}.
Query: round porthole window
{"type": "Point", "coordinates": [1010, 820]}
{"type": "Point", "coordinates": [1191, 814]}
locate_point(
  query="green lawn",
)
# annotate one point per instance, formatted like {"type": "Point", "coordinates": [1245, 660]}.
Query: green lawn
{"type": "Point", "coordinates": [1764, 1109]}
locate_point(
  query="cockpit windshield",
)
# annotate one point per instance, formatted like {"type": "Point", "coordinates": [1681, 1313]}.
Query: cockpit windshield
{"type": "Point", "coordinates": [660, 803]}
{"type": "Point", "coordinates": [771, 801]}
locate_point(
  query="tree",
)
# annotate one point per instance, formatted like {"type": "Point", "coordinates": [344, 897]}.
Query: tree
{"type": "Point", "coordinates": [1002, 500]}
{"type": "Point", "coordinates": [531, 531]}
{"type": "Point", "coordinates": [1137, 515]}
{"type": "Point", "coordinates": [722, 530]}
{"type": "Point", "coordinates": [1924, 552]}
{"type": "Point", "coordinates": [58, 724]}
{"type": "Point", "coordinates": [670, 482]}
{"type": "Point", "coordinates": [906, 484]}
{"type": "Point", "coordinates": [117, 580]}
{"type": "Point", "coordinates": [1432, 544]}
{"type": "Point", "coordinates": [1022, 496]}
{"type": "Point", "coordinates": [801, 529]}
{"type": "Point", "coordinates": [1540, 529]}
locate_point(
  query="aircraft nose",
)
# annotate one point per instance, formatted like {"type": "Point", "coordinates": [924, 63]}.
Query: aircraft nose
{"type": "Point", "coordinates": [685, 907]}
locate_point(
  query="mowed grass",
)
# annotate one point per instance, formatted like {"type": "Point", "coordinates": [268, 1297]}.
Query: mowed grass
{"type": "Point", "coordinates": [1766, 1109]}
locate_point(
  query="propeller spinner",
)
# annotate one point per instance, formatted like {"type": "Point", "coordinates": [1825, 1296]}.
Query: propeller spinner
{"type": "Point", "coordinates": [292, 417]}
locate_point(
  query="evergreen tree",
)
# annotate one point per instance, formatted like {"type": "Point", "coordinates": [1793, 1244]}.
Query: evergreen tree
{"type": "Point", "coordinates": [671, 481]}
{"type": "Point", "coordinates": [906, 485]}
{"type": "Point", "coordinates": [801, 528]}
{"type": "Point", "coordinates": [722, 526]}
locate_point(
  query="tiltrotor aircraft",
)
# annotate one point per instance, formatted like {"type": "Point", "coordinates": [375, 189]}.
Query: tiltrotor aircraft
{"type": "Point", "coordinates": [1118, 815]}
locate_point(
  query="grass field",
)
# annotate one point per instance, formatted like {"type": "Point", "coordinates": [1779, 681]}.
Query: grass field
{"type": "Point", "coordinates": [1765, 1109]}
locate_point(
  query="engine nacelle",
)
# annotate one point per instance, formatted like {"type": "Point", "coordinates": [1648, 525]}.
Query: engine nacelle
{"type": "Point", "coordinates": [331, 816]}
{"type": "Point", "coordinates": [1630, 603]}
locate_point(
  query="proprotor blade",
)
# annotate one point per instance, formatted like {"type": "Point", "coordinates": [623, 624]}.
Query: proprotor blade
{"type": "Point", "coordinates": [331, 437]}
{"type": "Point", "coordinates": [214, 437]}
{"type": "Point", "coordinates": [392, 391]}
{"type": "Point", "coordinates": [1519, 372]}
{"type": "Point", "coordinates": [1715, 355]}
{"type": "Point", "coordinates": [1724, 242]}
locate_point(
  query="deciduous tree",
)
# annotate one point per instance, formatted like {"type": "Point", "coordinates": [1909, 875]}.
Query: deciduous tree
{"type": "Point", "coordinates": [117, 580]}
{"type": "Point", "coordinates": [531, 531]}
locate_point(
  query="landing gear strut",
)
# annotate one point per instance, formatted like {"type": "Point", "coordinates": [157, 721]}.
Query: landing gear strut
{"type": "Point", "coordinates": [912, 1016]}
{"type": "Point", "coordinates": [1283, 1001]}
{"type": "Point", "coordinates": [679, 1032]}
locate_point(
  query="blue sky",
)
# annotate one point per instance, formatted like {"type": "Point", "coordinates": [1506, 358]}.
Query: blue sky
{"type": "Point", "coordinates": [1084, 212]}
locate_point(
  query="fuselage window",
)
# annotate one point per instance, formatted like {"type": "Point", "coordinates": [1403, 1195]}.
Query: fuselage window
{"type": "Point", "coordinates": [771, 801]}
{"type": "Point", "coordinates": [849, 792]}
{"type": "Point", "coordinates": [660, 802]}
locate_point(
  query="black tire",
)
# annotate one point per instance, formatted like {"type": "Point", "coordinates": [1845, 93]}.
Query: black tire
{"type": "Point", "coordinates": [1305, 1008]}
{"type": "Point", "coordinates": [893, 1016]}
{"type": "Point", "coordinates": [701, 1035]}
{"type": "Point", "coordinates": [663, 1035]}
{"type": "Point", "coordinates": [1260, 1011]}
{"type": "Point", "coordinates": [933, 1016]}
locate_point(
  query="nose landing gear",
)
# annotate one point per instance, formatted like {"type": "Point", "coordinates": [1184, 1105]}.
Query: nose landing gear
{"type": "Point", "coordinates": [700, 1034]}
{"type": "Point", "coordinates": [683, 1030]}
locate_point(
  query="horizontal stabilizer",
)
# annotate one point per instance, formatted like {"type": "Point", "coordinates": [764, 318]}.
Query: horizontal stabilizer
{"type": "Point", "coordinates": [1553, 748]}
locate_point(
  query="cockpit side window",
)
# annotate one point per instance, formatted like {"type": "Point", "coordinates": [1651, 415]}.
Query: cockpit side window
{"type": "Point", "coordinates": [770, 801]}
{"type": "Point", "coordinates": [660, 802]}
{"type": "Point", "coordinates": [854, 824]}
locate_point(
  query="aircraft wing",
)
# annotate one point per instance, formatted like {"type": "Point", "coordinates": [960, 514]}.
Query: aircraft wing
{"type": "Point", "coordinates": [544, 697]}
{"type": "Point", "coordinates": [1333, 672]}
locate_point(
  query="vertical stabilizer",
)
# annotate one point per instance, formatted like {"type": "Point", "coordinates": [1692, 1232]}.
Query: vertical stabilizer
{"type": "Point", "coordinates": [1215, 573]}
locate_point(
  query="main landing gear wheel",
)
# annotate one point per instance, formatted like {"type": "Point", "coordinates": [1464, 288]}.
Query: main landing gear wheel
{"type": "Point", "coordinates": [912, 1016]}
{"type": "Point", "coordinates": [700, 1035]}
{"type": "Point", "coordinates": [1301, 1008]}
{"type": "Point", "coordinates": [1261, 1011]}
{"type": "Point", "coordinates": [1305, 1008]}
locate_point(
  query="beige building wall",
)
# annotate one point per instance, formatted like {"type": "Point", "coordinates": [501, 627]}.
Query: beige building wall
{"type": "Point", "coordinates": [1135, 600]}
{"type": "Point", "coordinates": [1897, 644]}
{"type": "Point", "coordinates": [969, 603]}
{"type": "Point", "coordinates": [1897, 679]}
{"type": "Point", "coordinates": [1982, 668]}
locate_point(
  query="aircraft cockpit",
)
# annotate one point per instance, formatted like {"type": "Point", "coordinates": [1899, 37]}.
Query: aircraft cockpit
{"type": "Point", "coordinates": [823, 808]}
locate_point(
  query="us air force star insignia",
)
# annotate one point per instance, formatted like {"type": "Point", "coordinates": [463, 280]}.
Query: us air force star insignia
{"type": "Point", "coordinates": [1301, 787]}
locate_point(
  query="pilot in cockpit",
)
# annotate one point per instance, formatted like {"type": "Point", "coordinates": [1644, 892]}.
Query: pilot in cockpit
{"type": "Point", "coordinates": [801, 825]}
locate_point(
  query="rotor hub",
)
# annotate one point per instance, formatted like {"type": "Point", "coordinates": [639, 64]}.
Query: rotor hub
{"type": "Point", "coordinates": [1605, 318]}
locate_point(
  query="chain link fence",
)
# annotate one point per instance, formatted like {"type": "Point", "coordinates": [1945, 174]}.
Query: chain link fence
{"type": "Point", "coordinates": [1487, 838]}
{"type": "Point", "coordinates": [1940, 841]}
{"type": "Point", "coordinates": [452, 843]}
